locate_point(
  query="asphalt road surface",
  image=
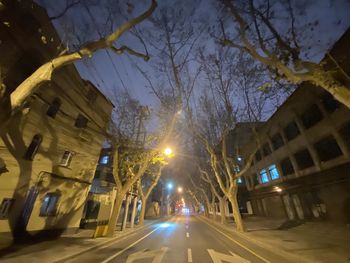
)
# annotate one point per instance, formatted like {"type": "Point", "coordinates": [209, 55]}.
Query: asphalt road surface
{"type": "Point", "coordinates": [183, 238]}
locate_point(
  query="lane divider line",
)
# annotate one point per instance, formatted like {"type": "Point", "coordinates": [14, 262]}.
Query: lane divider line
{"type": "Point", "coordinates": [187, 234]}
{"type": "Point", "coordinates": [131, 245]}
{"type": "Point", "coordinates": [189, 255]}
{"type": "Point", "coordinates": [238, 243]}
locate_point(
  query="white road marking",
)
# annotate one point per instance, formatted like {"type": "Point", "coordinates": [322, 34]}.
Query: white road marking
{"type": "Point", "coordinates": [189, 255]}
{"type": "Point", "coordinates": [187, 234]}
{"type": "Point", "coordinates": [221, 257]}
{"type": "Point", "coordinates": [157, 255]}
{"type": "Point", "coordinates": [235, 241]}
{"type": "Point", "coordinates": [123, 250]}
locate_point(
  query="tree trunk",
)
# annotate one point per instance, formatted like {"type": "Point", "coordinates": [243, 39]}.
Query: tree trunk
{"type": "Point", "coordinates": [143, 211]}
{"type": "Point", "coordinates": [115, 214]}
{"type": "Point", "coordinates": [206, 210]}
{"type": "Point", "coordinates": [213, 205]}
{"type": "Point", "coordinates": [236, 213]}
{"type": "Point", "coordinates": [222, 210]}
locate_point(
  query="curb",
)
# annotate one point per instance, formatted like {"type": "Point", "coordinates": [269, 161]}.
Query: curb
{"type": "Point", "coordinates": [111, 240]}
{"type": "Point", "coordinates": [277, 251]}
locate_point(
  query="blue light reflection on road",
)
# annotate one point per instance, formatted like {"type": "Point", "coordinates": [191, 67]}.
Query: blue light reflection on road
{"type": "Point", "coordinates": [166, 229]}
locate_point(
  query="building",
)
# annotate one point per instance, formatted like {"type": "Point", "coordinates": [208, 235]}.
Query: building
{"type": "Point", "coordinates": [49, 154]}
{"type": "Point", "coordinates": [102, 192]}
{"type": "Point", "coordinates": [301, 169]}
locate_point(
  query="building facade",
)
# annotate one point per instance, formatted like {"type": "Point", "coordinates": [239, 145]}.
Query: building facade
{"type": "Point", "coordinates": [301, 169]}
{"type": "Point", "coordinates": [50, 151]}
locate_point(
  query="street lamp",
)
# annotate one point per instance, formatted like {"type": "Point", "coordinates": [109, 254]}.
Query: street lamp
{"type": "Point", "coordinates": [168, 151]}
{"type": "Point", "coordinates": [179, 189]}
{"type": "Point", "coordinates": [170, 186]}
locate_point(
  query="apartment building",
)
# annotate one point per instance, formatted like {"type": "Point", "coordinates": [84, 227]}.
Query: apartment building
{"type": "Point", "coordinates": [49, 153]}
{"type": "Point", "coordinates": [302, 167]}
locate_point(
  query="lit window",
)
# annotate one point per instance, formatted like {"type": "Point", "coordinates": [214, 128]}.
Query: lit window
{"type": "Point", "coordinates": [33, 147]}
{"type": "Point", "coordinates": [263, 176]}
{"type": "Point", "coordinates": [66, 158]}
{"type": "Point", "coordinates": [5, 207]}
{"type": "Point", "coordinates": [273, 172]}
{"type": "Point", "coordinates": [236, 169]}
{"type": "Point", "coordinates": [49, 204]}
{"type": "Point", "coordinates": [104, 159]}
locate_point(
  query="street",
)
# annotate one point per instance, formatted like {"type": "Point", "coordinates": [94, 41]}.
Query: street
{"type": "Point", "coordinates": [183, 238]}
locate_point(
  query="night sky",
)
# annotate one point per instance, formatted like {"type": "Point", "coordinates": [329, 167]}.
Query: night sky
{"type": "Point", "coordinates": [111, 72]}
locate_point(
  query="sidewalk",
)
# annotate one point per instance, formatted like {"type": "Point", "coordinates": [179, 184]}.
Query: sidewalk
{"type": "Point", "coordinates": [64, 247]}
{"type": "Point", "coordinates": [311, 241]}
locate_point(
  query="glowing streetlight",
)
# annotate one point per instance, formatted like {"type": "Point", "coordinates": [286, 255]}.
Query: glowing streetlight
{"type": "Point", "coordinates": [168, 151]}
{"type": "Point", "coordinates": [278, 189]}
{"type": "Point", "coordinates": [179, 189]}
{"type": "Point", "coordinates": [170, 186]}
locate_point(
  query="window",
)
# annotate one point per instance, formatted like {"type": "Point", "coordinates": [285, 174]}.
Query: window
{"type": "Point", "coordinates": [5, 207]}
{"type": "Point", "coordinates": [104, 159]}
{"type": "Point", "coordinates": [311, 116]}
{"type": "Point", "coordinates": [277, 141]}
{"type": "Point", "coordinates": [92, 209]}
{"type": "Point", "coordinates": [258, 156]}
{"type": "Point", "coordinates": [29, 23]}
{"type": "Point", "coordinates": [303, 159]}
{"type": "Point", "coordinates": [54, 108]}
{"type": "Point", "coordinates": [273, 172]}
{"type": "Point", "coordinates": [49, 204]}
{"type": "Point", "coordinates": [91, 96]}
{"type": "Point", "coordinates": [286, 166]}
{"type": "Point", "coordinates": [345, 133]}
{"type": "Point", "coordinates": [33, 147]}
{"type": "Point", "coordinates": [66, 158]}
{"type": "Point", "coordinates": [81, 121]}
{"type": "Point", "coordinates": [255, 179]}
{"type": "Point", "coordinates": [266, 149]}
{"type": "Point", "coordinates": [329, 103]}
{"type": "Point", "coordinates": [291, 131]}
{"type": "Point", "coordinates": [327, 148]}
{"type": "Point", "coordinates": [263, 176]}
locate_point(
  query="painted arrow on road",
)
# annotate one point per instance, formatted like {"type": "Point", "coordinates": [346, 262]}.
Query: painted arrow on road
{"type": "Point", "coordinates": [157, 255]}
{"type": "Point", "coordinates": [218, 257]}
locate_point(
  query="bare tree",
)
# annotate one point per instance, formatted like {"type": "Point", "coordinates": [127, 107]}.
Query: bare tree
{"type": "Point", "coordinates": [132, 160]}
{"type": "Point", "coordinates": [173, 38]}
{"type": "Point", "coordinates": [215, 118]}
{"type": "Point", "coordinates": [44, 73]}
{"type": "Point", "coordinates": [145, 187]}
{"type": "Point", "coordinates": [258, 32]}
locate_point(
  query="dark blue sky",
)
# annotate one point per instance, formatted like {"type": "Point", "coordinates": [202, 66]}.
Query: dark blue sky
{"type": "Point", "coordinates": [113, 73]}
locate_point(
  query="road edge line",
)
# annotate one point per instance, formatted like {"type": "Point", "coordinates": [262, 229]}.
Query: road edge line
{"type": "Point", "coordinates": [131, 245]}
{"type": "Point", "coordinates": [238, 243]}
{"type": "Point", "coordinates": [257, 242]}
{"type": "Point", "coordinates": [111, 240]}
